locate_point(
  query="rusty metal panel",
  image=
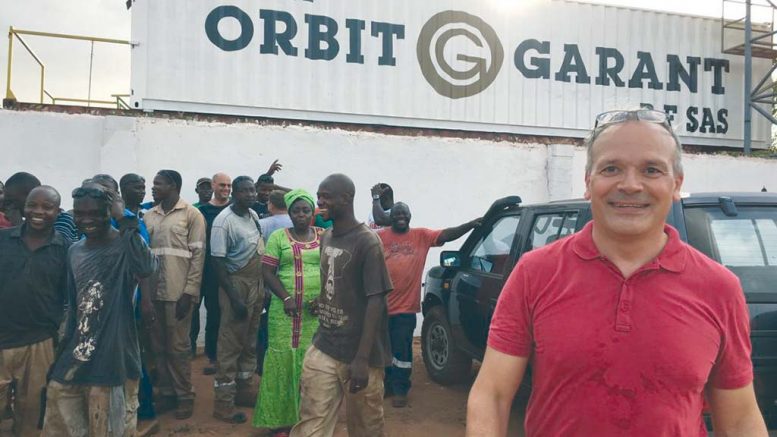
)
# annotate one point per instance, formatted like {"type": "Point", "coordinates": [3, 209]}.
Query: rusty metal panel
{"type": "Point", "coordinates": [539, 67]}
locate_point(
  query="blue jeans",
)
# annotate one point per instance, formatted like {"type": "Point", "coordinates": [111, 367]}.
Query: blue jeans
{"type": "Point", "coordinates": [401, 328]}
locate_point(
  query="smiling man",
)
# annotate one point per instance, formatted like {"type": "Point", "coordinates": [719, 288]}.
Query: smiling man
{"type": "Point", "coordinates": [32, 293]}
{"type": "Point", "coordinates": [627, 328]}
{"type": "Point", "coordinates": [351, 347]}
{"type": "Point", "coordinates": [94, 381]}
{"type": "Point", "coordinates": [405, 249]}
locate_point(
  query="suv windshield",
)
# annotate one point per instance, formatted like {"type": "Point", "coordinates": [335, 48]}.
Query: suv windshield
{"type": "Point", "coordinates": [745, 243]}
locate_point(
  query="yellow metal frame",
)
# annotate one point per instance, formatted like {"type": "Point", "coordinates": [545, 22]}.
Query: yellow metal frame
{"type": "Point", "coordinates": [119, 98]}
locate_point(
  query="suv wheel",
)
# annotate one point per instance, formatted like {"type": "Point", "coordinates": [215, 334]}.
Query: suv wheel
{"type": "Point", "coordinates": [444, 363]}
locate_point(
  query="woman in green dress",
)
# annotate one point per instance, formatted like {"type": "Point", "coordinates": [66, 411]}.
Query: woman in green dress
{"type": "Point", "coordinates": [291, 272]}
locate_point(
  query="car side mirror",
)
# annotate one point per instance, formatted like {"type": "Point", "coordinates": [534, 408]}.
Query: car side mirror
{"type": "Point", "coordinates": [450, 258]}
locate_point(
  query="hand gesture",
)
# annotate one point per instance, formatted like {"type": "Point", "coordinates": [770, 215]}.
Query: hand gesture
{"type": "Point", "coordinates": [274, 167]}
{"type": "Point", "coordinates": [377, 190]}
{"type": "Point", "coordinates": [117, 206]}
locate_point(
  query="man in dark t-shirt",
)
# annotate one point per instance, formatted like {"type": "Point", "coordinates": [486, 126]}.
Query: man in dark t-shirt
{"type": "Point", "coordinates": [98, 361]}
{"type": "Point", "coordinates": [32, 285]}
{"type": "Point", "coordinates": [351, 347]}
{"type": "Point", "coordinates": [209, 287]}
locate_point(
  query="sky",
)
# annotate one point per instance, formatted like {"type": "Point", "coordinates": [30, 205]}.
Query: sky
{"type": "Point", "coordinates": [67, 62]}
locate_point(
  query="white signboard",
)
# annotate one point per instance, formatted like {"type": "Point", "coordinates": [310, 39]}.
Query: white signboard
{"type": "Point", "coordinates": [537, 67]}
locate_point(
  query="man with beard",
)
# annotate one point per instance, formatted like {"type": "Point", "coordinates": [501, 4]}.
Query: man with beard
{"type": "Point", "coordinates": [351, 347]}
{"type": "Point", "coordinates": [177, 232]}
{"type": "Point", "coordinates": [94, 382]}
{"type": "Point", "coordinates": [33, 281]}
{"type": "Point", "coordinates": [405, 249]}
{"type": "Point", "coordinates": [236, 252]}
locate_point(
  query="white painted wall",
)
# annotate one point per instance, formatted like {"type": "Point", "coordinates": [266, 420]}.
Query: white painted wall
{"type": "Point", "coordinates": [446, 181]}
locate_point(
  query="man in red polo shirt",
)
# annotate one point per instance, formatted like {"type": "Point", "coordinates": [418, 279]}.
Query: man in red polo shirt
{"type": "Point", "coordinates": [405, 251]}
{"type": "Point", "coordinates": [627, 328]}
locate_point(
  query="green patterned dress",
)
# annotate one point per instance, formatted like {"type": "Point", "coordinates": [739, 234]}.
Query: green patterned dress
{"type": "Point", "coordinates": [298, 270]}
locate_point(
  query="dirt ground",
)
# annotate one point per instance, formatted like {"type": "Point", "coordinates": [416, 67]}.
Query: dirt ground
{"type": "Point", "coordinates": [433, 410]}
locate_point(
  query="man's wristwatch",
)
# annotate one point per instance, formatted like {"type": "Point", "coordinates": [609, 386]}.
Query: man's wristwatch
{"type": "Point", "coordinates": [376, 197]}
{"type": "Point", "coordinates": [287, 298]}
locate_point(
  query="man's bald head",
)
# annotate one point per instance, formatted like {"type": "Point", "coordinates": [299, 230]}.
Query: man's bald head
{"type": "Point", "coordinates": [48, 193]}
{"type": "Point", "coordinates": [41, 208]}
{"type": "Point", "coordinates": [340, 185]}
{"type": "Point", "coordinates": [222, 186]}
{"type": "Point", "coordinates": [335, 198]}
{"type": "Point", "coordinates": [221, 176]}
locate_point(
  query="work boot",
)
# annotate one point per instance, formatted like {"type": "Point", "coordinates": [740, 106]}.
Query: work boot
{"type": "Point", "coordinates": [210, 369]}
{"type": "Point", "coordinates": [164, 404]}
{"type": "Point", "coordinates": [246, 393]}
{"type": "Point", "coordinates": [185, 409]}
{"type": "Point", "coordinates": [225, 411]}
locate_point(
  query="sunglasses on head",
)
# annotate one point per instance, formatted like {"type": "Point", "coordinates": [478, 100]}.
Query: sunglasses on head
{"type": "Point", "coordinates": [647, 115]}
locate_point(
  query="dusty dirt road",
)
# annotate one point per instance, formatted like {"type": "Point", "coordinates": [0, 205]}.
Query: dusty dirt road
{"type": "Point", "coordinates": [433, 411]}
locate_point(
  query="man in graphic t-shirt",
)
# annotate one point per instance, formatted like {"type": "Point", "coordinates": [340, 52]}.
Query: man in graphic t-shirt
{"type": "Point", "coordinates": [94, 384]}
{"type": "Point", "coordinates": [405, 249]}
{"type": "Point", "coordinates": [351, 347]}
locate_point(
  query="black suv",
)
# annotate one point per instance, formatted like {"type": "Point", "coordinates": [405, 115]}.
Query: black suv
{"type": "Point", "coordinates": [739, 230]}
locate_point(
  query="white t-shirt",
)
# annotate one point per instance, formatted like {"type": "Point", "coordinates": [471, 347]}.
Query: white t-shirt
{"type": "Point", "coordinates": [371, 220]}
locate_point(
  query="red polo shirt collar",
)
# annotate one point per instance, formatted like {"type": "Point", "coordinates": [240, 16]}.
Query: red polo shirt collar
{"type": "Point", "coordinates": [672, 257]}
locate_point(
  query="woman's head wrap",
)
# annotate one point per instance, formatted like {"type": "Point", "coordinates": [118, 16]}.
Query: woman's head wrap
{"type": "Point", "coordinates": [295, 195]}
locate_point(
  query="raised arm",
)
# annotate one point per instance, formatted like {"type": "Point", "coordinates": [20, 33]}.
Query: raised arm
{"type": "Point", "coordinates": [378, 214]}
{"type": "Point", "coordinates": [451, 234]}
{"type": "Point", "coordinates": [490, 399]}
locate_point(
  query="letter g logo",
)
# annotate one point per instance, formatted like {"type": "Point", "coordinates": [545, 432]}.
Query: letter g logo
{"type": "Point", "coordinates": [472, 74]}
